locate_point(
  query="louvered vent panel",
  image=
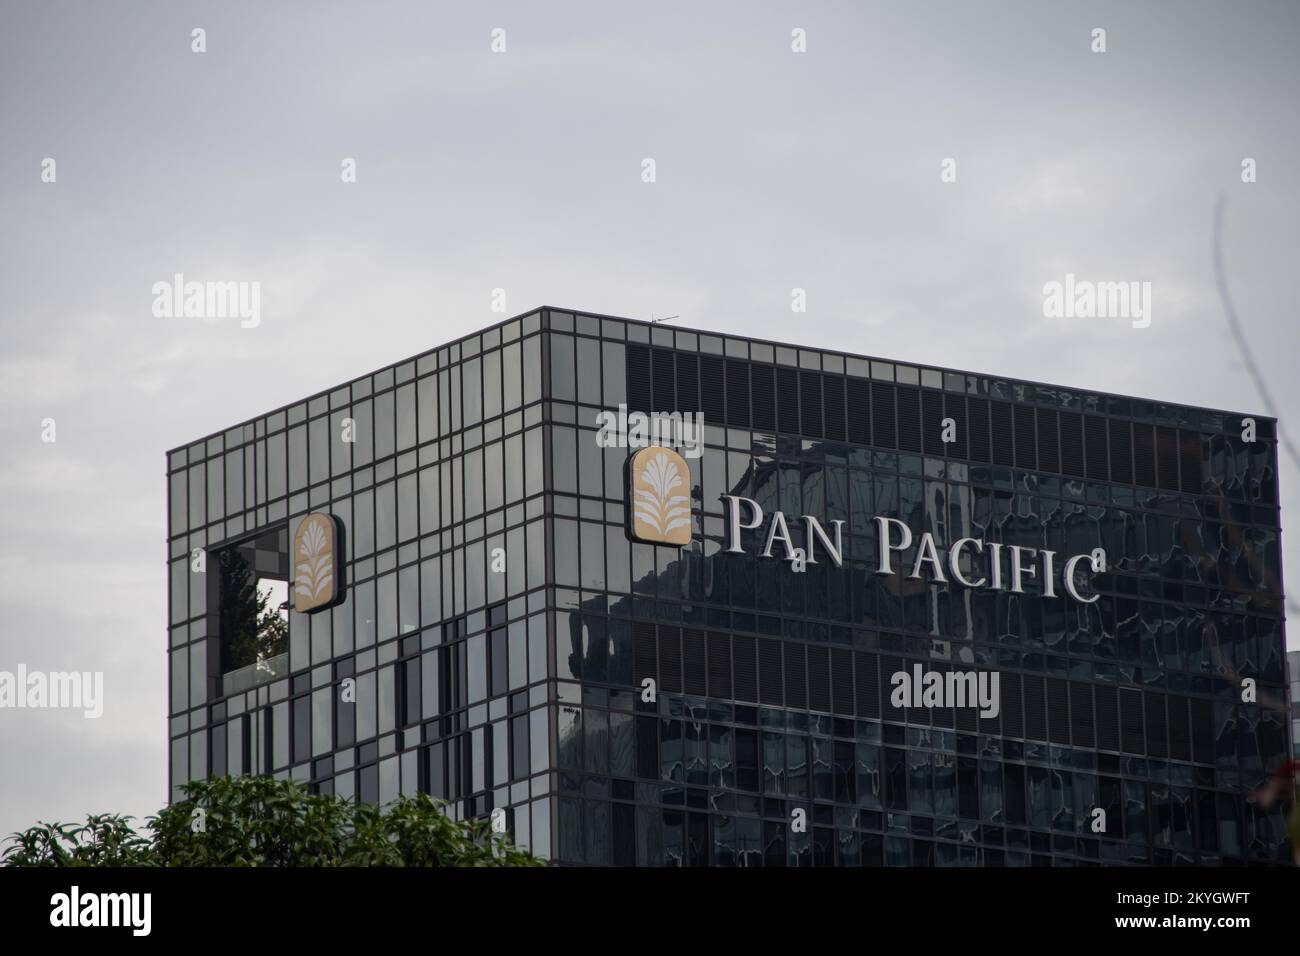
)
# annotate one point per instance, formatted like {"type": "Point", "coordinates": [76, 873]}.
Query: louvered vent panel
{"type": "Point", "coordinates": [819, 678]}
{"type": "Point", "coordinates": [764, 397]}
{"type": "Point", "coordinates": [1049, 456]}
{"type": "Point", "coordinates": [769, 673]}
{"type": "Point", "coordinates": [954, 407]}
{"type": "Point", "coordinates": [719, 666]}
{"type": "Point", "coordinates": [1203, 744]}
{"type": "Point", "coordinates": [713, 397]}
{"type": "Point", "coordinates": [1180, 729]}
{"type": "Point", "coordinates": [1094, 437]}
{"type": "Point", "coordinates": [1035, 708]}
{"type": "Point", "coordinates": [842, 681]}
{"type": "Point", "coordinates": [694, 675]}
{"type": "Point", "coordinates": [645, 651]}
{"type": "Point", "coordinates": [663, 376]}
{"type": "Point", "coordinates": [1130, 721]}
{"type": "Point", "coordinates": [1072, 444]}
{"type": "Point", "coordinates": [889, 666]}
{"type": "Point", "coordinates": [1189, 454]}
{"type": "Point", "coordinates": [909, 419]}
{"type": "Point", "coordinates": [867, 677]}
{"type": "Point", "coordinates": [1081, 720]}
{"type": "Point", "coordinates": [796, 676]}
{"type": "Point", "coordinates": [969, 719]}
{"type": "Point", "coordinates": [745, 668]}
{"type": "Point", "coordinates": [1025, 457]}
{"type": "Point", "coordinates": [1058, 711]}
{"type": "Point", "coordinates": [932, 423]}
{"type": "Point", "coordinates": [1013, 711]}
{"type": "Point", "coordinates": [1002, 430]}
{"type": "Point", "coordinates": [1144, 455]}
{"type": "Point", "coordinates": [915, 714]}
{"type": "Point", "coordinates": [859, 411]}
{"type": "Point", "coordinates": [980, 449]}
{"type": "Point", "coordinates": [1121, 451]}
{"type": "Point", "coordinates": [942, 716]}
{"type": "Point", "coordinates": [688, 383]}
{"type": "Point", "coordinates": [810, 404]}
{"type": "Point", "coordinates": [1107, 717]}
{"type": "Point", "coordinates": [833, 393]}
{"type": "Point", "coordinates": [787, 400]}
{"type": "Point", "coordinates": [1157, 726]}
{"type": "Point", "coordinates": [638, 378]}
{"type": "Point", "coordinates": [670, 659]}
{"type": "Point", "coordinates": [884, 431]}
{"type": "Point", "coordinates": [1167, 458]}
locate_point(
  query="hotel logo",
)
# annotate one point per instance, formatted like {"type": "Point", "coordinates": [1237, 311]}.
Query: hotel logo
{"type": "Point", "coordinates": [317, 580]}
{"type": "Point", "coordinates": [659, 489]}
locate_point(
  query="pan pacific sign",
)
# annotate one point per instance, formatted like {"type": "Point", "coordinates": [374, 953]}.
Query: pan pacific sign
{"type": "Point", "coordinates": [659, 513]}
{"type": "Point", "coordinates": [969, 563]}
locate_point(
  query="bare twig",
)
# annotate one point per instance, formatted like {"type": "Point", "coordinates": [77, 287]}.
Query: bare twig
{"type": "Point", "coordinates": [1239, 333]}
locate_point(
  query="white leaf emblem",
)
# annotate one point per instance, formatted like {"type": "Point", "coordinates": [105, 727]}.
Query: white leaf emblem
{"type": "Point", "coordinates": [314, 577]}
{"type": "Point", "coordinates": [661, 515]}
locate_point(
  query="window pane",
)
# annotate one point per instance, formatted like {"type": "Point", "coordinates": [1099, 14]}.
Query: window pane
{"type": "Point", "coordinates": [476, 649]}
{"type": "Point", "coordinates": [429, 505]}
{"type": "Point", "coordinates": [406, 416]}
{"type": "Point", "coordinates": [532, 369]}
{"type": "Point", "coordinates": [474, 483]}
{"type": "Point", "coordinates": [198, 496]}
{"type": "Point", "coordinates": [385, 425]}
{"type": "Point", "coordinates": [493, 465]}
{"type": "Point", "coordinates": [363, 449]}
{"type": "Point", "coordinates": [492, 385]}
{"type": "Point", "coordinates": [407, 507]}
{"type": "Point", "coordinates": [363, 524]}
{"type": "Point", "coordinates": [319, 444]}
{"type": "Point", "coordinates": [427, 400]}
{"type": "Point", "coordinates": [385, 516]}
{"type": "Point", "coordinates": [564, 476]}
{"type": "Point", "coordinates": [614, 369]}
{"type": "Point", "coordinates": [472, 390]}
{"type": "Point", "coordinates": [298, 458]}
{"type": "Point", "coordinates": [533, 462]}
{"type": "Point", "coordinates": [562, 377]}
{"type": "Point", "coordinates": [589, 362]}
{"type": "Point", "coordinates": [179, 507]}
{"type": "Point", "coordinates": [511, 377]}
{"type": "Point", "coordinates": [235, 481]}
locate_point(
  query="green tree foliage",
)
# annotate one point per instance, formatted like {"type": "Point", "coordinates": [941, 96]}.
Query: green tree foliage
{"type": "Point", "coordinates": [106, 840]}
{"type": "Point", "coordinates": [258, 821]}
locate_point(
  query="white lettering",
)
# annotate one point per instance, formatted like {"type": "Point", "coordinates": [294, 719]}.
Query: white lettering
{"type": "Point", "coordinates": [734, 524]}
{"type": "Point", "coordinates": [884, 565]}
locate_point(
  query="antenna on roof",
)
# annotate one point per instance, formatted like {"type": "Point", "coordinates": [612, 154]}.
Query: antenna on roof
{"type": "Point", "coordinates": [664, 319]}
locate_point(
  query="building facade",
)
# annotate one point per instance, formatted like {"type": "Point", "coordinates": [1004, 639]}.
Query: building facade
{"type": "Point", "coordinates": [1293, 674]}
{"type": "Point", "coordinates": [476, 606]}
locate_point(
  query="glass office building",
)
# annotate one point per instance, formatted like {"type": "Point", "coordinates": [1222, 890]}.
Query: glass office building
{"type": "Point", "coordinates": [497, 637]}
{"type": "Point", "coordinates": [1293, 671]}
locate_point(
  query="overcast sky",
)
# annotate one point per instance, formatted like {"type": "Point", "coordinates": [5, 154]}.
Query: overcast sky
{"type": "Point", "coordinates": [522, 171]}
